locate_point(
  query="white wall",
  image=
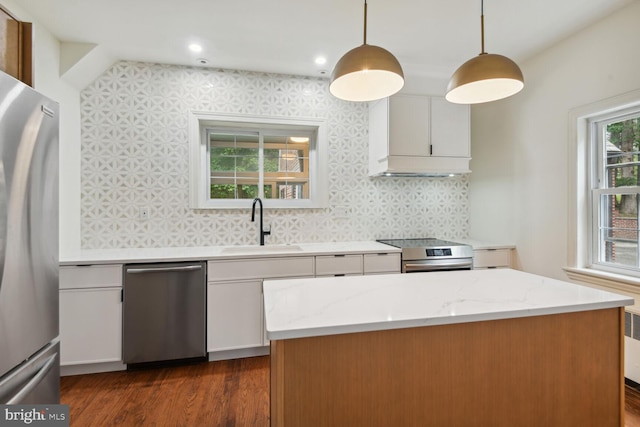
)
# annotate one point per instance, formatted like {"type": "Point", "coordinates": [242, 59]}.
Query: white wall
{"type": "Point", "coordinates": [48, 82]}
{"type": "Point", "coordinates": [518, 188]}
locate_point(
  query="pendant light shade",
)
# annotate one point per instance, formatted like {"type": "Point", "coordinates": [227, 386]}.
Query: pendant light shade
{"type": "Point", "coordinates": [366, 73]}
{"type": "Point", "coordinates": [487, 77]}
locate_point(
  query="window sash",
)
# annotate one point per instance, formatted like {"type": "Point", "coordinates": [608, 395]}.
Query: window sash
{"type": "Point", "coordinates": [614, 245]}
{"type": "Point", "coordinates": [296, 182]}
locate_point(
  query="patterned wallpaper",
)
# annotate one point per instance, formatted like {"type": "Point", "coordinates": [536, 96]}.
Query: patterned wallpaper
{"type": "Point", "coordinates": [135, 155]}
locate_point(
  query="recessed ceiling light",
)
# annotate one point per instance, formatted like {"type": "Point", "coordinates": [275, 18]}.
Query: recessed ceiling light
{"type": "Point", "coordinates": [194, 47]}
{"type": "Point", "coordinates": [321, 60]}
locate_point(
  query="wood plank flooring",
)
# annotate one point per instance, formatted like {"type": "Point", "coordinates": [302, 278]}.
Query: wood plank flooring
{"type": "Point", "coordinates": [232, 393]}
{"type": "Point", "coordinates": [632, 407]}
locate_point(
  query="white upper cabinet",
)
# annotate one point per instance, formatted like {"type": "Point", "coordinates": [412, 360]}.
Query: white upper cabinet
{"type": "Point", "coordinates": [418, 135]}
{"type": "Point", "coordinates": [450, 129]}
{"type": "Point", "coordinates": [408, 122]}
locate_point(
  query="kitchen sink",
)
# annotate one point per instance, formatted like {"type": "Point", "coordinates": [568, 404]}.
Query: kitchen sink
{"type": "Point", "coordinates": [260, 249]}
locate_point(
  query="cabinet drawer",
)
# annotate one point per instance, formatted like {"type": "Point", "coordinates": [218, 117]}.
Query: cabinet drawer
{"type": "Point", "coordinates": [381, 263]}
{"type": "Point", "coordinates": [90, 276]}
{"type": "Point", "coordinates": [259, 268]}
{"type": "Point", "coordinates": [491, 258]}
{"type": "Point", "coordinates": [328, 265]}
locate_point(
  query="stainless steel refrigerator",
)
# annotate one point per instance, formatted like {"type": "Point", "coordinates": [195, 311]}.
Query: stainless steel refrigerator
{"type": "Point", "coordinates": [29, 340]}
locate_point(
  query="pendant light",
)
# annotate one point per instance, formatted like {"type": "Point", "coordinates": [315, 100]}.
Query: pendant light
{"type": "Point", "coordinates": [366, 73]}
{"type": "Point", "coordinates": [487, 77]}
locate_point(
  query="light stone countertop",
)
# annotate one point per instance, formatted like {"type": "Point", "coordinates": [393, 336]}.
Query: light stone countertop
{"type": "Point", "coordinates": [297, 308]}
{"type": "Point", "coordinates": [483, 244]}
{"type": "Point", "coordinates": [194, 253]}
{"type": "Point", "coordinates": [141, 255]}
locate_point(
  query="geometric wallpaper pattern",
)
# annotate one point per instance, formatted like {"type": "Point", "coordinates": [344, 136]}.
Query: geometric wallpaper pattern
{"type": "Point", "coordinates": [135, 155]}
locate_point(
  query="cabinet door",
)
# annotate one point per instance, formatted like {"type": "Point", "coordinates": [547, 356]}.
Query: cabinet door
{"type": "Point", "coordinates": [90, 325]}
{"type": "Point", "coordinates": [491, 258]}
{"type": "Point", "coordinates": [382, 263]}
{"type": "Point", "coordinates": [234, 315]}
{"type": "Point", "coordinates": [259, 268]}
{"type": "Point", "coordinates": [338, 265]}
{"type": "Point", "coordinates": [15, 47]}
{"type": "Point", "coordinates": [90, 276]}
{"type": "Point", "coordinates": [409, 125]}
{"type": "Point", "coordinates": [450, 124]}
{"type": "Point", "coordinates": [378, 134]}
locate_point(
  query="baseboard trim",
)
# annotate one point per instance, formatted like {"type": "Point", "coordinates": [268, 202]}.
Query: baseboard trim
{"type": "Point", "coordinates": [238, 354]}
{"type": "Point", "coordinates": [91, 368]}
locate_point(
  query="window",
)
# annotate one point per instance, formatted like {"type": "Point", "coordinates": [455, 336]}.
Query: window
{"type": "Point", "coordinates": [235, 159]}
{"type": "Point", "coordinates": [615, 190]}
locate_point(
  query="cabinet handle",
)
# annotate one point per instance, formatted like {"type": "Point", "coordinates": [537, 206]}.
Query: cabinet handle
{"type": "Point", "coordinates": [340, 255]}
{"type": "Point", "coordinates": [431, 149]}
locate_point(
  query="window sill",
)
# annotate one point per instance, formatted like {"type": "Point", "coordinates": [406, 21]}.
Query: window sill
{"type": "Point", "coordinates": [608, 281]}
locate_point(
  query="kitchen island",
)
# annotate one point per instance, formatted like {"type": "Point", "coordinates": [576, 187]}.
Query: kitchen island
{"type": "Point", "coordinates": [464, 348]}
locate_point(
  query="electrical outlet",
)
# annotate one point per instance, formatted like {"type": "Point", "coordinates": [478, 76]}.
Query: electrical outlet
{"type": "Point", "coordinates": [341, 212]}
{"type": "Point", "coordinates": [144, 213]}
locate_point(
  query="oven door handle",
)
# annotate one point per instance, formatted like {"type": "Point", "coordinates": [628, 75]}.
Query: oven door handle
{"type": "Point", "coordinates": [435, 265]}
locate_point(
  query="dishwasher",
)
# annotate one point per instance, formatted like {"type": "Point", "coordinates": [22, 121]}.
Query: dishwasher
{"type": "Point", "coordinates": [164, 312]}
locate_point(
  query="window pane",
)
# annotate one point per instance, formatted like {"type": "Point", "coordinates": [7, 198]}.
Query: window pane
{"type": "Point", "coordinates": [244, 156]}
{"type": "Point", "coordinates": [234, 165]}
{"type": "Point", "coordinates": [286, 161]}
{"type": "Point", "coordinates": [234, 153]}
{"type": "Point", "coordinates": [290, 191]}
{"type": "Point", "coordinates": [618, 231]}
{"type": "Point", "coordinates": [621, 145]}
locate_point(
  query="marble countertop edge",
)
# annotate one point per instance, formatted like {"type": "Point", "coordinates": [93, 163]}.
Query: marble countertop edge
{"type": "Point", "coordinates": [436, 321]}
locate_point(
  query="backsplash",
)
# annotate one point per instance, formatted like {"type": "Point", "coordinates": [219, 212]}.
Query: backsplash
{"type": "Point", "coordinates": [135, 154]}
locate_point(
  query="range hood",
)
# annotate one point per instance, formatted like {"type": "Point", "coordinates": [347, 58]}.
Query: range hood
{"type": "Point", "coordinates": [408, 166]}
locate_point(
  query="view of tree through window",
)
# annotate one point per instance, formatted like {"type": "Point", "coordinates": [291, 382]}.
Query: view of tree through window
{"type": "Point", "coordinates": [617, 197]}
{"type": "Point", "coordinates": [241, 163]}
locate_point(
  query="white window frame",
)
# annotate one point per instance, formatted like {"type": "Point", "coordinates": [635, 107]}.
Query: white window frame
{"type": "Point", "coordinates": [199, 181]}
{"type": "Point", "coordinates": [580, 210]}
{"type": "Point", "coordinates": [598, 173]}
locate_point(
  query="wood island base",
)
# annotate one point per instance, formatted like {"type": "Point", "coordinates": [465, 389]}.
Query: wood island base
{"type": "Point", "coordinates": [550, 370]}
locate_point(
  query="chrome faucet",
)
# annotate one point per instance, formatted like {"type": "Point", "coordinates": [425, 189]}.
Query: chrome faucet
{"type": "Point", "coordinates": [253, 218]}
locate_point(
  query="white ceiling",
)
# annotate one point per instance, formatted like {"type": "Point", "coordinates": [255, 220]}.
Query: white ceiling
{"type": "Point", "coordinates": [430, 37]}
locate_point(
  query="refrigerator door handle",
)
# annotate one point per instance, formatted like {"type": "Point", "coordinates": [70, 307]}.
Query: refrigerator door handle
{"type": "Point", "coordinates": [33, 382]}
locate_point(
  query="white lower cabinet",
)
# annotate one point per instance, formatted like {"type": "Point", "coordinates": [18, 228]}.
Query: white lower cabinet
{"type": "Point", "coordinates": [90, 314]}
{"type": "Point", "coordinates": [339, 265]}
{"type": "Point", "coordinates": [234, 315]}
{"type": "Point", "coordinates": [492, 258]}
{"type": "Point", "coordinates": [90, 325]}
{"type": "Point", "coordinates": [382, 263]}
{"type": "Point", "coordinates": [235, 309]}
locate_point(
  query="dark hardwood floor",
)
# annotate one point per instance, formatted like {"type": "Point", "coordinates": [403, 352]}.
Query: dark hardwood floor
{"type": "Point", "coordinates": [632, 407]}
{"type": "Point", "coordinates": [229, 393]}
{"type": "Point", "coordinates": [232, 393]}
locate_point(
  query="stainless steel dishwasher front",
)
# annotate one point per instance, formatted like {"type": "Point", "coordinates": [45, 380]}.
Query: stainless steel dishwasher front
{"type": "Point", "coordinates": [164, 312]}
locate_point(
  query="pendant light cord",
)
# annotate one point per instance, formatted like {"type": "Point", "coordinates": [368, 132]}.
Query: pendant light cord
{"type": "Point", "coordinates": [365, 22]}
{"type": "Point", "coordinates": [482, 52]}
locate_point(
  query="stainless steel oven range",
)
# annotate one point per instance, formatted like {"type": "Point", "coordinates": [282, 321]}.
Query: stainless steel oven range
{"type": "Point", "coordinates": [419, 255]}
